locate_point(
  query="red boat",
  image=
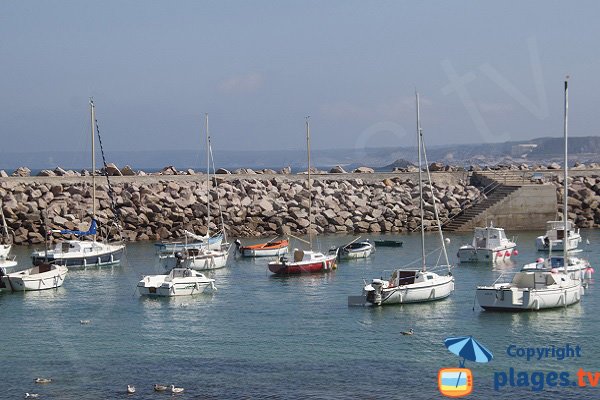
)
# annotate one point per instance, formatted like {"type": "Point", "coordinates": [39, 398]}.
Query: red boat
{"type": "Point", "coordinates": [304, 262]}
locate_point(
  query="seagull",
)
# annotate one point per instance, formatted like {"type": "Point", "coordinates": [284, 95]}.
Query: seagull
{"type": "Point", "coordinates": [160, 388]}
{"type": "Point", "coordinates": [32, 395]}
{"type": "Point", "coordinates": [130, 389]}
{"type": "Point", "coordinates": [85, 321]}
{"type": "Point", "coordinates": [176, 389]}
{"type": "Point", "coordinates": [43, 380]}
{"type": "Point", "coordinates": [409, 332]}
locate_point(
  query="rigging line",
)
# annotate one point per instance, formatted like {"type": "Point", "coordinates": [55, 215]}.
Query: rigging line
{"type": "Point", "coordinates": [111, 193]}
{"type": "Point", "coordinates": [212, 159]}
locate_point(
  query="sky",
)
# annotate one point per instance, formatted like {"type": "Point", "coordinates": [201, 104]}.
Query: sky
{"type": "Point", "coordinates": [486, 72]}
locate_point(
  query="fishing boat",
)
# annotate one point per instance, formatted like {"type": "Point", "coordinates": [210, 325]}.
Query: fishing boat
{"type": "Point", "coordinates": [388, 243]}
{"type": "Point", "coordinates": [39, 277]}
{"type": "Point", "coordinates": [356, 249]}
{"type": "Point", "coordinates": [178, 282]}
{"type": "Point", "coordinates": [407, 285]}
{"type": "Point", "coordinates": [538, 286]}
{"type": "Point", "coordinates": [204, 257]}
{"type": "Point", "coordinates": [305, 261]}
{"type": "Point", "coordinates": [490, 244]}
{"type": "Point", "coordinates": [81, 253]}
{"type": "Point", "coordinates": [555, 236]}
{"type": "Point", "coordinates": [272, 248]}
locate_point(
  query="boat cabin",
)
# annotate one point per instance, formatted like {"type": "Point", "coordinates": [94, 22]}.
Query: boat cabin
{"type": "Point", "coordinates": [401, 277]}
{"type": "Point", "coordinates": [555, 229]}
{"type": "Point", "coordinates": [488, 237]}
{"type": "Point", "coordinates": [536, 279]}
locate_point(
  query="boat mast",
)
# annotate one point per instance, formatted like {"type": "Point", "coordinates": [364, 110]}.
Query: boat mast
{"type": "Point", "coordinates": [419, 140]}
{"type": "Point", "coordinates": [566, 183]}
{"type": "Point", "coordinates": [308, 183]}
{"type": "Point", "coordinates": [207, 178]}
{"type": "Point", "coordinates": [93, 130]}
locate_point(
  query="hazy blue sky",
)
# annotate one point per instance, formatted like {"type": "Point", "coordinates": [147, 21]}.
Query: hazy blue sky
{"type": "Point", "coordinates": [259, 67]}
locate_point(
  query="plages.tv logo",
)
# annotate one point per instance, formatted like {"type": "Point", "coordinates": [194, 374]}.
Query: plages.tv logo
{"type": "Point", "coordinates": [458, 382]}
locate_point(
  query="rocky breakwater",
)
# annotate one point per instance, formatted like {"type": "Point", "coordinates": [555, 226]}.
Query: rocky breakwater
{"type": "Point", "coordinates": [162, 207]}
{"type": "Point", "coordinates": [583, 201]}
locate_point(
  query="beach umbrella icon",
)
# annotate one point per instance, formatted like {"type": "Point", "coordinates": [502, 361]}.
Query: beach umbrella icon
{"type": "Point", "coordinates": [469, 349]}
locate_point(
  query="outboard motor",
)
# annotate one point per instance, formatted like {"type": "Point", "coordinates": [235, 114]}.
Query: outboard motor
{"type": "Point", "coordinates": [179, 257]}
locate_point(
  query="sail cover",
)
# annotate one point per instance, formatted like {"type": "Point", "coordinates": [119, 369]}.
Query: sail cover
{"type": "Point", "coordinates": [91, 231]}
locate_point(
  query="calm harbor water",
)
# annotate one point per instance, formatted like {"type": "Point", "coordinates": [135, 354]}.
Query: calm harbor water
{"type": "Point", "coordinates": [261, 336]}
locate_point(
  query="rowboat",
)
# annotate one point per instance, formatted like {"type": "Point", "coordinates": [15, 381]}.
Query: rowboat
{"type": "Point", "coordinates": [268, 249]}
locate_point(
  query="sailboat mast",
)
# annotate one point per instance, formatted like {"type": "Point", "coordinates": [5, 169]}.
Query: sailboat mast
{"type": "Point", "coordinates": [566, 183]}
{"type": "Point", "coordinates": [93, 130]}
{"type": "Point", "coordinates": [419, 141]}
{"type": "Point", "coordinates": [207, 177]}
{"type": "Point", "coordinates": [308, 184]}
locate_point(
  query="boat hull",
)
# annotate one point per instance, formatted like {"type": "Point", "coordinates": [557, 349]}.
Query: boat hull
{"type": "Point", "coordinates": [204, 261]}
{"type": "Point", "coordinates": [544, 244]}
{"type": "Point", "coordinates": [439, 289]}
{"type": "Point", "coordinates": [303, 267]}
{"type": "Point", "coordinates": [30, 280]}
{"type": "Point", "coordinates": [186, 283]}
{"type": "Point", "coordinates": [109, 255]}
{"type": "Point", "coordinates": [500, 298]}
{"type": "Point", "coordinates": [469, 254]}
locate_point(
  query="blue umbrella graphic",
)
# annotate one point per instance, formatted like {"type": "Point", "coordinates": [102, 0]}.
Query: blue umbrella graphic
{"type": "Point", "coordinates": [469, 349]}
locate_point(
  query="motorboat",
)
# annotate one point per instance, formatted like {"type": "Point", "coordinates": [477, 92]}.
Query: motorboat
{"type": "Point", "coordinates": [413, 285]}
{"type": "Point", "coordinates": [490, 244]}
{"type": "Point", "coordinates": [39, 277]}
{"type": "Point", "coordinates": [272, 248]}
{"type": "Point", "coordinates": [304, 261]}
{"type": "Point", "coordinates": [358, 249]}
{"type": "Point", "coordinates": [554, 237]}
{"type": "Point", "coordinates": [530, 289]}
{"type": "Point", "coordinates": [178, 282]}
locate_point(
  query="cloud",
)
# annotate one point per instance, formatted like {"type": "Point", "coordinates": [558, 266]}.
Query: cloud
{"type": "Point", "coordinates": [242, 83]}
{"type": "Point", "coordinates": [389, 110]}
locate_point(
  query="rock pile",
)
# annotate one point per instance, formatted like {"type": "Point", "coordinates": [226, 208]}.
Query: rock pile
{"type": "Point", "coordinates": [163, 208]}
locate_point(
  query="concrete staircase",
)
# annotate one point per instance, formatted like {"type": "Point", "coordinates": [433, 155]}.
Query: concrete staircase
{"type": "Point", "coordinates": [494, 196]}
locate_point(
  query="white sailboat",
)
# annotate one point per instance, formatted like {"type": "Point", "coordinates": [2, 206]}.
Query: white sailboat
{"type": "Point", "coordinates": [203, 257]}
{"type": "Point", "coordinates": [539, 285]}
{"type": "Point", "coordinates": [81, 253]}
{"type": "Point", "coordinates": [412, 285]}
{"type": "Point", "coordinates": [8, 263]}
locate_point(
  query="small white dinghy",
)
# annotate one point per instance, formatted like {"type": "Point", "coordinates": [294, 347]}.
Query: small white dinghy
{"type": "Point", "coordinates": [40, 277]}
{"type": "Point", "coordinates": [178, 282]}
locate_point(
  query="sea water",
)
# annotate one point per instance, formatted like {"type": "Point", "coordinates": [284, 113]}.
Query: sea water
{"type": "Point", "coordinates": [261, 336]}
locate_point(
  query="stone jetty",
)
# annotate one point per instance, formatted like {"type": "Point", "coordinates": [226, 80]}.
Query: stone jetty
{"type": "Point", "coordinates": [250, 203]}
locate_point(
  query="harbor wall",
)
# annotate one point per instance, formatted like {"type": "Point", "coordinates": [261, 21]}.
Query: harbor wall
{"type": "Point", "coordinates": [155, 207]}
